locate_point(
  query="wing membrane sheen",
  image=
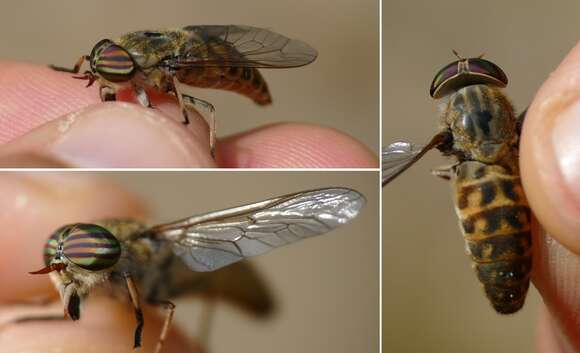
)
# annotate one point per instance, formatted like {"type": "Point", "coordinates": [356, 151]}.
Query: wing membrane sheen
{"type": "Point", "coordinates": [217, 239]}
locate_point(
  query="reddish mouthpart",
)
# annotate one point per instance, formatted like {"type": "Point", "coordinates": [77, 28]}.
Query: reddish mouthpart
{"type": "Point", "coordinates": [49, 268]}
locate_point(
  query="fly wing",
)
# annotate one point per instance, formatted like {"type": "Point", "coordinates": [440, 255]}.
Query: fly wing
{"type": "Point", "coordinates": [395, 158]}
{"type": "Point", "coordinates": [399, 156]}
{"type": "Point", "coordinates": [217, 239]}
{"type": "Point", "coordinates": [242, 46]}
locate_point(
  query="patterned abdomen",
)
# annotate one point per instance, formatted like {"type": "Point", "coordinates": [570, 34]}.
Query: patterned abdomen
{"type": "Point", "coordinates": [244, 80]}
{"type": "Point", "coordinates": [495, 221]}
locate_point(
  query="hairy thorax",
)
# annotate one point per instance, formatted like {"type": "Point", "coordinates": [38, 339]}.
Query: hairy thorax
{"type": "Point", "coordinates": [483, 124]}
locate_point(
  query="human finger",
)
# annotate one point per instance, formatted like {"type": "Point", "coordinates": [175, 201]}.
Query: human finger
{"type": "Point", "coordinates": [294, 145]}
{"type": "Point", "coordinates": [35, 204]}
{"type": "Point", "coordinates": [550, 169]}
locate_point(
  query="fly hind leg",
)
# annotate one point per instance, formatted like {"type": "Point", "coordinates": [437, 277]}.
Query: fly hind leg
{"type": "Point", "coordinates": [196, 102]}
{"type": "Point", "coordinates": [184, 100]}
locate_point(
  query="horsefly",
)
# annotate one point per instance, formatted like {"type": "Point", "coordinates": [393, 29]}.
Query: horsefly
{"type": "Point", "coordinates": [222, 57]}
{"type": "Point", "coordinates": [162, 262]}
{"type": "Point", "coordinates": [480, 129]}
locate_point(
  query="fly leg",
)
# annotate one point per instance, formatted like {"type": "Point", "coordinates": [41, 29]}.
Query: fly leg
{"type": "Point", "coordinates": [107, 94]}
{"type": "Point", "coordinates": [142, 96]}
{"type": "Point", "coordinates": [134, 295]}
{"type": "Point", "coordinates": [196, 102]}
{"type": "Point", "coordinates": [170, 309]}
{"type": "Point", "coordinates": [445, 172]}
{"type": "Point", "coordinates": [76, 69]}
{"type": "Point", "coordinates": [184, 100]}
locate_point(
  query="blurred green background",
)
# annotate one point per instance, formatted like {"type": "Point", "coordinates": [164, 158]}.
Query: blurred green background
{"type": "Point", "coordinates": [340, 89]}
{"type": "Point", "coordinates": [432, 299]}
{"type": "Point", "coordinates": [326, 288]}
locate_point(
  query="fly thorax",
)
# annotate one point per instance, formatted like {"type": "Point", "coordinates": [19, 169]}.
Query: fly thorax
{"type": "Point", "coordinates": [483, 123]}
{"type": "Point", "coordinates": [149, 47]}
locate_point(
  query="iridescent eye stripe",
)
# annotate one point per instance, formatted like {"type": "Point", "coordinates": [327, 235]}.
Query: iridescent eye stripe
{"type": "Point", "coordinates": [91, 247]}
{"type": "Point", "coordinates": [88, 244]}
{"type": "Point", "coordinates": [50, 249]}
{"type": "Point", "coordinates": [114, 60]}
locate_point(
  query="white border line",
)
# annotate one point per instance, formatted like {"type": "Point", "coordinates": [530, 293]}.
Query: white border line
{"type": "Point", "coordinates": [189, 169]}
{"type": "Point", "coordinates": [380, 176]}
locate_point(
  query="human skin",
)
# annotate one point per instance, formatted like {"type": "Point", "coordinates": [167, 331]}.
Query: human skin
{"type": "Point", "coordinates": [550, 168]}
{"type": "Point", "coordinates": [48, 113]}
{"type": "Point", "coordinates": [33, 205]}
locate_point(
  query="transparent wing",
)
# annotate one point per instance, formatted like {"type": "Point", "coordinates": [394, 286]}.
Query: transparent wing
{"type": "Point", "coordinates": [242, 46]}
{"type": "Point", "coordinates": [395, 158]}
{"type": "Point", "coordinates": [399, 156]}
{"type": "Point", "coordinates": [213, 240]}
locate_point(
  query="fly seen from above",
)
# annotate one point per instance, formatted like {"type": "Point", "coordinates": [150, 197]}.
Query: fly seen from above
{"type": "Point", "coordinates": [210, 56]}
{"type": "Point", "coordinates": [481, 130]}
{"type": "Point", "coordinates": [162, 262]}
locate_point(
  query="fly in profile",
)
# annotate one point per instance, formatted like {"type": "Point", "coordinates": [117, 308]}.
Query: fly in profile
{"type": "Point", "coordinates": [159, 263]}
{"type": "Point", "coordinates": [222, 57]}
{"type": "Point", "coordinates": [482, 131]}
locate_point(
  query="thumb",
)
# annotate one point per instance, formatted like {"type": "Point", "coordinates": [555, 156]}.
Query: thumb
{"type": "Point", "coordinates": [117, 135]}
{"type": "Point", "coordinates": [550, 166]}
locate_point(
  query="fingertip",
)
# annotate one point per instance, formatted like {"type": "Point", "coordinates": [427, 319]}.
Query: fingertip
{"type": "Point", "coordinates": [294, 145]}
{"type": "Point", "coordinates": [550, 153]}
{"type": "Point", "coordinates": [113, 135]}
{"type": "Point", "coordinates": [33, 205]}
{"type": "Point", "coordinates": [106, 325]}
{"type": "Point", "coordinates": [556, 276]}
{"type": "Point", "coordinates": [547, 338]}
{"type": "Point", "coordinates": [33, 95]}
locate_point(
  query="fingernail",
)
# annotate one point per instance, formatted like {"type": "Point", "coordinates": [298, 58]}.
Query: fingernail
{"type": "Point", "coordinates": [566, 143]}
{"type": "Point", "coordinates": [116, 135]}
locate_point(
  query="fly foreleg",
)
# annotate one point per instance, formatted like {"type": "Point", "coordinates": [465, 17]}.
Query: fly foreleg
{"type": "Point", "coordinates": [184, 100]}
{"type": "Point", "coordinates": [107, 94]}
{"type": "Point", "coordinates": [134, 295]}
{"type": "Point", "coordinates": [76, 69]}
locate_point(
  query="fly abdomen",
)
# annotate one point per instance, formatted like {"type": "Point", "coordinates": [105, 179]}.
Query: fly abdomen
{"type": "Point", "coordinates": [495, 221]}
{"type": "Point", "coordinates": [243, 80]}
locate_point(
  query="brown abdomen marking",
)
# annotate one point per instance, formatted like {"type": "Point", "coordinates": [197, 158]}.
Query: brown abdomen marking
{"type": "Point", "coordinates": [244, 80]}
{"type": "Point", "coordinates": [495, 221]}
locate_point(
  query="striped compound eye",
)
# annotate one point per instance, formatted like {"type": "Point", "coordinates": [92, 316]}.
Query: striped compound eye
{"type": "Point", "coordinates": [466, 72]}
{"type": "Point", "coordinates": [51, 246]}
{"type": "Point", "coordinates": [90, 246]}
{"type": "Point", "coordinates": [112, 62]}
